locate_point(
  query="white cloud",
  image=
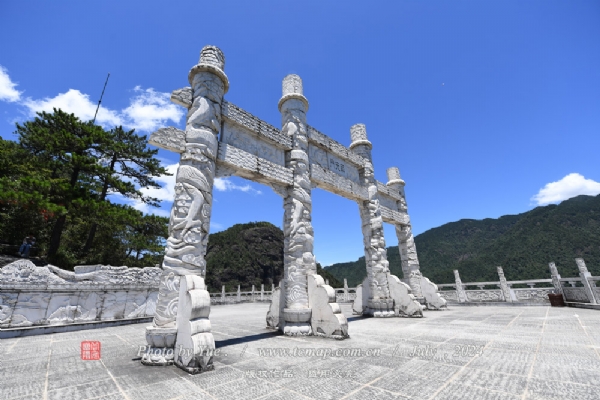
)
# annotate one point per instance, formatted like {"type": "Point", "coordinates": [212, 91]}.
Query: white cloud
{"type": "Point", "coordinates": [570, 186]}
{"type": "Point", "coordinates": [225, 185]}
{"type": "Point", "coordinates": [74, 102]}
{"type": "Point", "coordinates": [7, 87]}
{"type": "Point", "coordinates": [148, 109]}
{"type": "Point", "coordinates": [146, 209]}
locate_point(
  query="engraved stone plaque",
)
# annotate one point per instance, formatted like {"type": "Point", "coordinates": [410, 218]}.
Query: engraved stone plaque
{"type": "Point", "coordinates": [237, 136]}
{"type": "Point", "coordinates": [388, 202]}
{"type": "Point", "coordinates": [325, 159]}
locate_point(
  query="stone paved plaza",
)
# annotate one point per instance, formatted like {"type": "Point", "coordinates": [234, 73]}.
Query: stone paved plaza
{"type": "Point", "coordinates": [483, 352]}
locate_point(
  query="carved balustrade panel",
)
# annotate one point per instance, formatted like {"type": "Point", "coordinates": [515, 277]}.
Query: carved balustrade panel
{"type": "Point", "coordinates": [575, 294]}
{"type": "Point", "coordinates": [484, 295]}
{"type": "Point", "coordinates": [533, 295]}
{"type": "Point", "coordinates": [450, 295]}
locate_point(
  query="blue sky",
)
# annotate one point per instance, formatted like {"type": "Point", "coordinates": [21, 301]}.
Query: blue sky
{"type": "Point", "coordinates": [487, 107]}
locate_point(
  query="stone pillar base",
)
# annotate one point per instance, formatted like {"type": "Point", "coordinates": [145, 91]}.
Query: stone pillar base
{"type": "Point", "coordinates": [297, 321]}
{"type": "Point", "coordinates": [160, 350]}
{"type": "Point", "coordinates": [378, 308]}
{"type": "Point", "coordinates": [323, 318]}
{"type": "Point", "coordinates": [297, 329]}
{"type": "Point", "coordinates": [196, 370]}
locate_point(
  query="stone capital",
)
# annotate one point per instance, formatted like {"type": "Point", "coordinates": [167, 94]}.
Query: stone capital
{"type": "Point", "coordinates": [290, 96]}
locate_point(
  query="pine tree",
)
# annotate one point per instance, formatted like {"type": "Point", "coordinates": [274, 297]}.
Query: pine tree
{"type": "Point", "coordinates": [67, 150]}
{"type": "Point", "coordinates": [127, 161]}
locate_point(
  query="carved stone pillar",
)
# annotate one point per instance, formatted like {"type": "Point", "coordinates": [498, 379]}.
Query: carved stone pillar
{"type": "Point", "coordinates": [588, 285]}
{"type": "Point", "coordinates": [506, 292]}
{"type": "Point", "coordinates": [183, 303]}
{"type": "Point", "coordinates": [422, 288]}
{"type": "Point", "coordinates": [299, 261]}
{"type": "Point", "coordinates": [346, 289]}
{"type": "Point", "coordinates": [555, 278]}
{"type": "Point", "coordinates": [460, 289]}
{"type": "Point", "coordinates": [406, 240]}
{"type": "Point", "coordinates": [379, 302]}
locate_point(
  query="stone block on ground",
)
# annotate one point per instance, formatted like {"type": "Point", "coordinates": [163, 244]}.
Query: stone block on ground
{"type": "Point", "coordinates": [405, 304]}
{"type": "Point", "coordinates": [433, 299]}
{"type": "Point", "coordinates": [195, 344]}
{"type": "Point", "coordinates": [326, 319]}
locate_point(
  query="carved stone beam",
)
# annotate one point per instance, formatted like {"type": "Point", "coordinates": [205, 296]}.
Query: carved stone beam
{"type": "Point", "coordinates": [170, 138]}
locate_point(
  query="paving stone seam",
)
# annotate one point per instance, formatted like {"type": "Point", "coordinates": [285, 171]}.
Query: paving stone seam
{"type": "Point", "coordinates": [592, 340]}
{"type": "Point", "coordinates": [368, 384]}
{"type": "Point", "coordinates": [537, 349]}
{"type": "Point", "coordinates": [240, 379]}
{"type": "Point", "coordinates": [14, 344]}
{"type": "Point", "coordinates": [489, 390]}
{"type": "Point", "coordinates": [82, 384]}
{"type": "Point", "coordinates": [196, 387]}
{"type": "Point", "coordinates": [439, 344]}
{"type": "Point", "coordinates": [115, 381]}
{"type": "Point", "coordinates": [45, 393]}
{"type": "Point", "coordinates": [280, 387]}
{"type": "Point", "coordinates": [453, 377]}
{"type": "Point", "coordinates": [281, 390]}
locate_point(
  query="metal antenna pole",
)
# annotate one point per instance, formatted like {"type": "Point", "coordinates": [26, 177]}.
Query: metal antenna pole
{"type": "Point", "coordinates": [100, 101]}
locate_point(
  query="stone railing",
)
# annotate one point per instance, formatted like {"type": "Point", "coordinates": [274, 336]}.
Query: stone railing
{"type": "Point", "coordinates": [242, 297]}
{"type": "Point", "coordinates": [38, 296]}
{"type": "Point", "coordinates": [343, 295]}
{"type": "Point", "coordinates": [48, 296]}
{"type": "Point", "coordinates": [580, 289]}
{"type": "Point", "coordinates": [33, 296]}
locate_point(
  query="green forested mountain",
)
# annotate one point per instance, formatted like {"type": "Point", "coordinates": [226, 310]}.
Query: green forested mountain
{"type": "Point", "coordinates": [246, 255]}
{"type": "Point", "coordinates": [522, 244]}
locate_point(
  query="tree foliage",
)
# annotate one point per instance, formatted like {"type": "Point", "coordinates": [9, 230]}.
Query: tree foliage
{"type": "Point", "coordinates": [249, 254]}
{"type": "Point", "coordinates": [54, 184]}
{"type": "Point", "coordinates": [128, 164]}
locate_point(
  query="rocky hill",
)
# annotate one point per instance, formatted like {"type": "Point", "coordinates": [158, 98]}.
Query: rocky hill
{"type": "Point", "coordinates": [246, 255]}
{"type": "Point", "coordinates": [522, 244]}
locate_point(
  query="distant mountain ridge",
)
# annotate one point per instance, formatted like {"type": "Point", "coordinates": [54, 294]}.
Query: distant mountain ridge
{"type": "Point", "coordinates": [248, 254]}
{"type": "Point", "coordinates": [522, 244]}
